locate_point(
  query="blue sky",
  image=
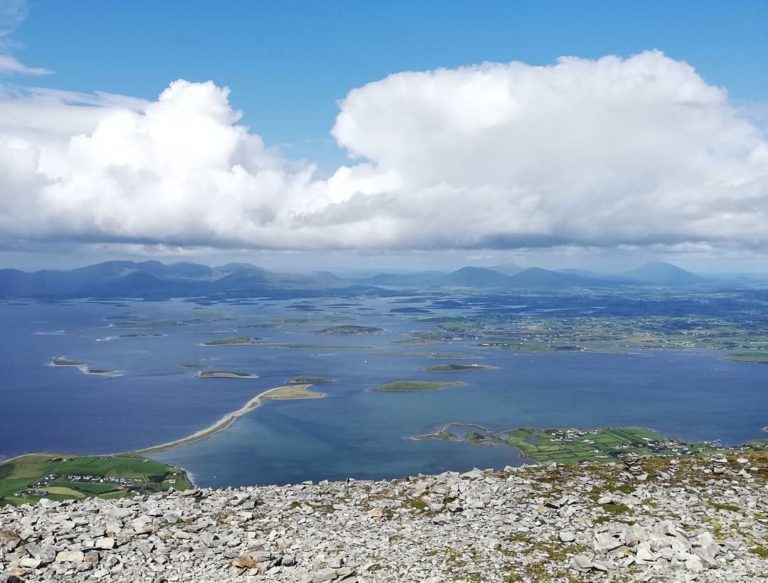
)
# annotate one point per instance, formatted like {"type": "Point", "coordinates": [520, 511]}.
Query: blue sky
{"type": "Point", "coordinates": [288, 62]}
{"type": "Point", "coordinates": [375, 134]}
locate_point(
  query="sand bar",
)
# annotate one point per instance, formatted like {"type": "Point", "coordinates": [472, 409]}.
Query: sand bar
{"type": "Point", "coordinates": [275, 394]}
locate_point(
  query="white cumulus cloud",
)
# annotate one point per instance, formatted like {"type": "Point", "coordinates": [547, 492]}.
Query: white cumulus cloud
{"type": "Point", "coordinates": [637, 151]}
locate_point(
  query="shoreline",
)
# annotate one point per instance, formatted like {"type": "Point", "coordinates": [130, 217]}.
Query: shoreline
{"type": "Point", "coordinates": [225, 422]}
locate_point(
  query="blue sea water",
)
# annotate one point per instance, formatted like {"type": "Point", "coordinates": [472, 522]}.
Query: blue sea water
{"type": "Point", "coordinates": [353, 432]}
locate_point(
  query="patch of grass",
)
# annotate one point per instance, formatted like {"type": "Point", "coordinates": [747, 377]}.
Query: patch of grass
{"type": "Point", "coordinates": [63, 491]}
{"type": "Point", "coordinates": [87, 487]}
{"type": "Point", "coordinates": [760, 551]}
{"type": "Point", "coordinates": [728, 507]}
{"type": "Point", "coordinates": [417, 504]}
{"type": "Point", "coordinates": [615, 508]}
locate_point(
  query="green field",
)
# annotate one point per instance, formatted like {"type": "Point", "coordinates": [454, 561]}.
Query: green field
{"type": "Point", "coordinates": [410, 386]}
{"type": "Point", "coordinates": [759, 443]}
{"type": "Point", "coordinates": [61, 477]}
{"type": "Point", "coordinates": [568, 446]}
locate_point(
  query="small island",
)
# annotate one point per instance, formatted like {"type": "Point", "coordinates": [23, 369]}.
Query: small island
{"type": "Point", "coordinates": [225, 374]}
{"type": "Point", "coordinates": [83, 367]}
{"type": "Point", "coordinates": [456, 367]}
{"type": "Point", "coordinates": [350, 330]}
{"type": "Point", "coordinates": [231, 341]}
{"type": "Point", "coordinates": [65, 361]}
{"type": "Point", "coordinates": [309, 380]}
{"type": "Point", "coordinates": [134, 335]}
{"type": "Point", "coordinates": [411, 386]}
{"type": "Point", "coordinates": [750, 357]}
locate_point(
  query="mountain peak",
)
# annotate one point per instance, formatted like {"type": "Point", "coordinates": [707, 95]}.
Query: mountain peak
{"type": "Point", "coordinates": [661, 272]}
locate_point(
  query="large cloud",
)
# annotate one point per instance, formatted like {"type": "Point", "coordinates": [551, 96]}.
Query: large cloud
{"type": "Point", "coordinates": [636, 151]}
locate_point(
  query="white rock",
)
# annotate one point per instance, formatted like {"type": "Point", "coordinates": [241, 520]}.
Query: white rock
{"type": "Point", "coordinates": [70, 557]}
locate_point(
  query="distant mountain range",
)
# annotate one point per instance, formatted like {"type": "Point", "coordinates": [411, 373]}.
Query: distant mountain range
{"type": "Point", "coordinates": [155, 279]}
{"type": "Point", "coordinates": [514, 277]}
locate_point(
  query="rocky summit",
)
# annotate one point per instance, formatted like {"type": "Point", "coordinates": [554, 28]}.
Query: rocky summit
{"type": "Point", "coordinates": [650, 519]}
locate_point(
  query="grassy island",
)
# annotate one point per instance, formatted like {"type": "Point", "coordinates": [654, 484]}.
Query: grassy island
{"type": "Point", "coordinates": [456, 367]}
{"type": "Point", "coordinates": [309, 380]}
{"type": "Point", "coordinates": [410, 386]}
{"type": "Point", "coordinates": [350, 330]}
{"type": "Point", "coordinates": [225, 374]}
{"type": "Point", "coordinates": [231, 341]}
{"type": "Point", "coordinates": [26, 479]}
{"type": "Point", "coordinates": [65, 361]}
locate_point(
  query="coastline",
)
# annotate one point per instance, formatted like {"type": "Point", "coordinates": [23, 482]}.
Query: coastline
{"type": "Point", "coordinates": [226, 421]}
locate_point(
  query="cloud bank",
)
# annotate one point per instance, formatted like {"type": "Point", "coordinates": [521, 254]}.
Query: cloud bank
{"type": "Point", "coordinates": [637, 151]}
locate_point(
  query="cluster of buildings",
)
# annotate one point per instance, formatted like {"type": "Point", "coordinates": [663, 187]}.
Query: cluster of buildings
{"type": "Point", "coordinates": [37, 488]}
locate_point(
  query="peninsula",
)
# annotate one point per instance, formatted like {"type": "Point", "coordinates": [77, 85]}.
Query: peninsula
{"type": "Point", "coordinates": [285, 392]}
